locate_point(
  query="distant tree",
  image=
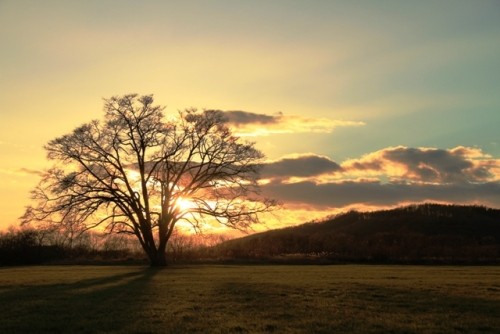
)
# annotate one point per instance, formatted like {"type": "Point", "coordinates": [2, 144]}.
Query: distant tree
{"type": "Point", "coordinates": [19, 246]}
{"type": "Point", "coordinates": [135, 172]}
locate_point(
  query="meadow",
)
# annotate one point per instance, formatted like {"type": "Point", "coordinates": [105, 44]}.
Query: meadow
{"type": "Point", "coordinates": [254, 299]}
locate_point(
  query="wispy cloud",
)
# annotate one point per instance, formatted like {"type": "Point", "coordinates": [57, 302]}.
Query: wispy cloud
{"type": "Point", "coordinates": [253, 124]}
{"type": "Point", "coordinates": [20, 172]}
{"type": "Point", "coordinates": [29, 171]}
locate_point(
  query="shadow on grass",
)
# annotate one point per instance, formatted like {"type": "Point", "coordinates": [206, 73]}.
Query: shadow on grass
{"type": "Point", "coordinates": [104, 304]}
{"type": "Point", "coordinates": [355, 308]}
{"type": "Point", "coordinates": [221, 300]}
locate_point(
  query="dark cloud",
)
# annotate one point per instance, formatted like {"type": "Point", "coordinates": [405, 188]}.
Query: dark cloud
{"type": "Point", "coordinates": [299, 166]}
{"type": "Point", "coordinates": [462, 175]}
{"type": "Point", "coordinates": [375, 165]}
{"type": "Point", "coordinates": [238, 117]}
{"type": "Point", "coordinates": [432, 165]}
{"type": "Point", "coordinates": [334, 195]}
{"type": "Point", "coordinates": [429, 165]}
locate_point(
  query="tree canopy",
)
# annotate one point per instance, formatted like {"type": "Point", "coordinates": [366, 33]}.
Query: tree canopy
{"type": "Point", "coordinates": [138, 172]}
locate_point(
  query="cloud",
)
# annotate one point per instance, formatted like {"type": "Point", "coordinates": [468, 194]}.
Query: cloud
{"type": "Point", "coordinates": [244, 117]}
{"type": "Point", "coordinates": [388, 177]}
{"type": "Point", "coordinates": [302, 165]}
{"type": "Point", "coordinates": [20, 172]}
{"type": "Point", "coordinates": [428, 165]}
{"type": "Point", "coordinates": [29, 171]}
{"type": "Point", "coordinates": [253, 124]}
{"type": "Point", "coordinates": [348, 193]}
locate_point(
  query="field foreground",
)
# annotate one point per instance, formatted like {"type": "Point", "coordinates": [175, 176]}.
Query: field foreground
{"type": "Point", "coordinates": [256, 299]}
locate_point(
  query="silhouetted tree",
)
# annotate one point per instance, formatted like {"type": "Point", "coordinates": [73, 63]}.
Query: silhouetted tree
{"type": "Point", "coordinates": [135, 172]}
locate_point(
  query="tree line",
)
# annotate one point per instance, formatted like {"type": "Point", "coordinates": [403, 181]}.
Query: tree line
{"type": "Point", "coordinates": [428, 233]}
{"type": "Point", "coordinates": [30, 246]}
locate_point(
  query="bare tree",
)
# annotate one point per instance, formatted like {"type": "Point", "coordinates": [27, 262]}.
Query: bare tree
{"type": "Point", "coordinates": [135, 172]}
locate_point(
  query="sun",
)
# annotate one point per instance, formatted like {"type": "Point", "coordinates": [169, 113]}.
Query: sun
{"type": "Point", "coordinates": [184, 204]}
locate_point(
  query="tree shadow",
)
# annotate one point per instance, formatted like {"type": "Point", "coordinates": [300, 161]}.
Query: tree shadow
{"type": "Point", "coordinates": [105, 304]}
{"type": "Point", "coordinates": [354, 308]}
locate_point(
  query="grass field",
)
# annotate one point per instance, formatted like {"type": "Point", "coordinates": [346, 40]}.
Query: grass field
{"type": "Point", "coordinates": [256, 299]}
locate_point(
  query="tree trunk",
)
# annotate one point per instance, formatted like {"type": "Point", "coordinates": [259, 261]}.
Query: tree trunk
{"type": "Point", "coordinates": [158, 258]}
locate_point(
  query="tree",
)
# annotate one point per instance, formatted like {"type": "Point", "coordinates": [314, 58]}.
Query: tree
{"type": "Point", "coordinates": [135, 172]}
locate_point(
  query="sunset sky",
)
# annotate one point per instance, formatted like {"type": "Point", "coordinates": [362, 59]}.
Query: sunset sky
{"type": "Point", "coordinates": [356, 104]}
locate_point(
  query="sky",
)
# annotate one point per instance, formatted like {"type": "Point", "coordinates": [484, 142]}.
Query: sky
{"type": "Point", "coordinates": [356, 104]}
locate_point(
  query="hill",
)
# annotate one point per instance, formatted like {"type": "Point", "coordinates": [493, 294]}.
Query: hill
{"type": "Point", "coordinates": [427, 233]}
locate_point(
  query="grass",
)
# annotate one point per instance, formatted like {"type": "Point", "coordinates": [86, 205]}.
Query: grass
{"type": "Point", "coordinates": [255, 299]}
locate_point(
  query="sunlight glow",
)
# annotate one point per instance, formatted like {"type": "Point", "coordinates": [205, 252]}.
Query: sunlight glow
{"type": "Point", "coordinates": [184, 204]}
{"type": "Point", "coordinates": [342, 88]}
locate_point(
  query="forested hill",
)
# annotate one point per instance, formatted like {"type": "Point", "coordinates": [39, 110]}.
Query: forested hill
{"type": "Point", "coordinates": [416, 233]}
